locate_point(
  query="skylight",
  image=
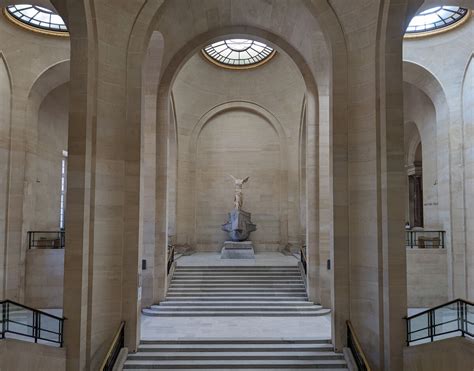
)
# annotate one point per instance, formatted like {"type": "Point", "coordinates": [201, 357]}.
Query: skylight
{"type": "Point", "coordinates": [436, 18]}
{"type": "Point", "coordinates": [238, 53]}
{"type": "Point", "coordinates": [37, 17]}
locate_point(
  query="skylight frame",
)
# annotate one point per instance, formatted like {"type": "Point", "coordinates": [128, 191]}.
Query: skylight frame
{"type": "Point", "coordinates": [238, 53]}
{"type": "Point", "coordinates": [436, 20]}
{"type": "Point", "coordinates": [36, 18]}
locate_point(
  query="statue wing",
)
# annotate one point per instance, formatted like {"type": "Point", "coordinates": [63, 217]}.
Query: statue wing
{"type": "Point", "coordinates": [232, 178]}
{"type": "Point", "coordinates": [245, 180]}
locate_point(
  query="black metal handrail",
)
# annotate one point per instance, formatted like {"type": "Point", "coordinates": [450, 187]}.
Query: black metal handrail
{"type": "Point", "coordinates": [46, 239]}
{"type": "Point", "coordinates": [425, 239]}
{"type": "Point", "coordinates": [118, 343]}
{"type": "Point", "coordinates": [456, 316]}
{"type": "Point", "coordinates": [354, 345]}
{"type": "Point", "coordinates": [19, 319]}
{"type": "Point", "coordinates": [303, 258]}
{"type": "Point", "coordinates": [170, 258]}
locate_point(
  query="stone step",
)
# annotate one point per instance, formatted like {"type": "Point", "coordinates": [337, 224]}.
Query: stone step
{"type": "Point", "coordinates": [237, 289]}
{"type": "Point", "coordinates": [226, 347]}
{"type": "Point", "coordinates": [210, 308]}
{"type": "Point", "coordinates": [233, 299]}
{"type": "Point", "coordinates": [217, 303]}
{"type": "Point", "coordinates": [236, 279]}
{"type": "Point", "coordinates": [247, 313]}
{"type": "Point", "coordinates": [240, 273]}
{"type": "Point", "coordinates": [236, 295]}
{"type": "Point", "coordinates": [242, 369]}
{"type": "Point", "coordinates": [235, 355]}
{"type": "Point", "coordinates": [232, 364]}
{"type": "Point", "coordinates": [246, 341]}
{"type": "Point", "coordinates": [236, 267]}
{"type": "Point", "coordinates": [236, 285]}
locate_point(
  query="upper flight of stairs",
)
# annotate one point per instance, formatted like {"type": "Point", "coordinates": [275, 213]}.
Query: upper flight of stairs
{"type": "Point", "coordinates": [236, 355]}
{"type": "Point", "coordinates": [236, 291]}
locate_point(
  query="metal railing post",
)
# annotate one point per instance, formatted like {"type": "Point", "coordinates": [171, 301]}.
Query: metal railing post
{"type": "Point", "coordinates": [4, 318]}
{"type": "Point", "coordinates": [408, 331]}
{"type": "Point", "coordinates": [35, 326]}
{"type": "Point", "coordinates": [61, 333]}
{"type": "Point", "coordinates": [430, 325]}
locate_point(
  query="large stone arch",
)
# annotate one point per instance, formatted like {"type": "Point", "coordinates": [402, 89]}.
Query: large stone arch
{"type": "Point", "coordinates": [163, 98]}
{"type": "Point", "coordinates": [283, 150]}
{"type": "Point", "coordinates": [5, 130]}
{"type": "Point", "coordinates": [429, 84]}
{"type": "Point", "coordinates": [468, 132]}
{"type": "Point", "coordinates": [336, 120]}
{"type": "Point", "coordinates": [51, 78]}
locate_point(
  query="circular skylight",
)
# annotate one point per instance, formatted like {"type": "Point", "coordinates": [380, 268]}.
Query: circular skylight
{"type": "Point", "coordinates": [238, 53]}
{"type": "Point", "coordinates": [436, 18]}
{"type": "Point", "coordinates": [37, 17]}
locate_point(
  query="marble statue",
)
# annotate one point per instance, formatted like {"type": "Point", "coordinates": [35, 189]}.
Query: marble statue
{"type": "Point", "coordinates": [239, 224]}
{"type": "Point", "coordinates": [239, 196]}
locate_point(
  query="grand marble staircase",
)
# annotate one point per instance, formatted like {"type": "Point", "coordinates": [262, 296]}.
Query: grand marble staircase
{"type": "Point", "coordinates": [236, 291]}
{"type": "Point", "coordinates": [207, 294]}
{"type": "Point", "coordinates": [236, 355]}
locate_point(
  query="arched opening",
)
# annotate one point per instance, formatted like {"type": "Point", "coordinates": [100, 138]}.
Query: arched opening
{"type": "Point", "coordinates": [5, 122]}
{"type": "Point", "coordinates": [310, 64]}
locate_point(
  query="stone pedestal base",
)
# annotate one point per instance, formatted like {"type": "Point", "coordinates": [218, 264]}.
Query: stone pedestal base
{"type": "Point", "coordinates": [238, 250]}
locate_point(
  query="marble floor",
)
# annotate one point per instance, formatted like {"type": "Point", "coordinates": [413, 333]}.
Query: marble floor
{"type": "Point", "coordinates": [170, 328]}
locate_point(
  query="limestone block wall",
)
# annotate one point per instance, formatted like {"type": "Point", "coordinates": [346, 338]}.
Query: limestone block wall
{"type": "Point", "coordinates": [427, 272]}
{"type": "Point", "coordinates": [24, 58]}
{"type": "Point", "coordinates": [443, 74]}
{"type": "Point", "coordinates": [43, 163]}
{"type": "Point", "coordinates": [468, 133]}
{"type": "Point", "coordinates": [44, 278]}
{"type": "Point", "coordinates": [456, 354]}
{"type": "Point", "coordinates": [244, 123]}
{"type": "Point", "coordinates": [17, 355]}
{"type": "Point", "coordinates": [221, 151]}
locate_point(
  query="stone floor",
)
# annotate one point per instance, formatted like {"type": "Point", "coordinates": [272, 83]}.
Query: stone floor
{"type": "Point", "coordinates": [154, 328]}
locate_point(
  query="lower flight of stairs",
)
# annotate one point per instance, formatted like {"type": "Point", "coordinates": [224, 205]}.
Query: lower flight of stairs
{"type": "Point", "coordinates": [236, 291]}
{"type": "Point", "coordinates": [235, 354]}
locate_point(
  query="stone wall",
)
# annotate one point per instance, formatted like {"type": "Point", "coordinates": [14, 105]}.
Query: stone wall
{"type": "Point", "coordinates": [43, 163]}
{"type": "Point", "coordinates": [16, 355]}
{"type": "Point", "coordinates": [440, 67]}
{"type": "Point", "coordinates": [456, 354]}
{"type": "Point", "coordinates": [244, 123]}
{"type": "Point", "coordinates": [25, 57]}
{"type": "Point", "coordinates": [44, 278]}
{"type": "Point", "coordinates": [427, 271]}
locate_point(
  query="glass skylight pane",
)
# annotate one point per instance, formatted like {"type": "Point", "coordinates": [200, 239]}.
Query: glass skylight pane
{"type": "Point", "coordinates": [56, 19]}
{"type": "Point", "coordinates": [30, 12]}
{"type": "Point", "coordinates": [43, 17]}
